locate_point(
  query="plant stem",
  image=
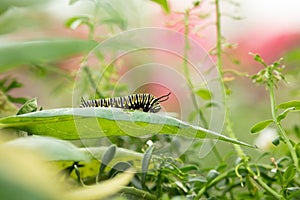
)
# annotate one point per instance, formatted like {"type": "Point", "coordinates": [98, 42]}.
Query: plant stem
{"type": "Point", "coordinates": [225, 175]}
{"type": "Point", "coordinates": [264, 185]}
{"type": "Point", "coordinates": [220, 71]}
{"type": "Point", "coordinates": [138, 193]}
{"type": "Point", "coordinates": [185, 67]}
{"type": "Point", "coordinates": [89, 75]}
{"type": "Point", "coordinates": [228, 123]}
{"type": "Point", "coordinates": [282, 132]}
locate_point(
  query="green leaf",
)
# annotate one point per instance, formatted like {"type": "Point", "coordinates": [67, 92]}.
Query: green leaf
{"type": "Point", "coordinates": [258, 59]}
{"type": "Point", "coordinates": [7, 4]}
{"type": "Point", "coordinates": [107, 157]}
{"type": "Point", "coordinates": [91, 168]}
{"type": "Point", "coordinates": [20, 100]}
{"type": "Point", "coordinates": [212, 174]}
{"type": "Point", "coordinates": [260, 126]}
{"type": "Point", "coordinates": [164, 4]}
{"type": "Point", "coordinates": [119, 167]}
{"type": "Point", "coordinates": [146, 163]}
{"type": "Point", "coordinates": [290, 104]}
{"type": "Point", "coordinates": [83, 123]}
{"type": "Point", "coordinates": [189, 168]}
{"type": "Point", "coordinates": [297, 150]}
{"type": "Point", "coordinates": [54, 149]}
{"type": "Point", "coordinates": [284, 114]}
{"type": "Point", "coordinates": [276, 141]}
{"type": "Point", "coordinates": [28, 107]}
{"type": "Point", "coordinates": [36, 52]}
{"type": "Point", "coordinates": [204, 94]}
{"type": "Point", "coordinates": [72, 2]}
{"type": "Point", "coordinates": [289, 174]}
{"type": "Point", "coordinates": [75, 22]}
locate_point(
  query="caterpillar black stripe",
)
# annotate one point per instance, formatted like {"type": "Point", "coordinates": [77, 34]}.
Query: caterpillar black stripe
{"type": "Point", "coordinates": [143, 101]}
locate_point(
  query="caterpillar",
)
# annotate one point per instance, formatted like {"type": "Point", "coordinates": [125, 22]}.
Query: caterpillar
{"type": "Point", "coordinates": [146, 102]}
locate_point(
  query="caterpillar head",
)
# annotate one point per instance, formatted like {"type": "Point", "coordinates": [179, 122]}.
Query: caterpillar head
{"type": "Point", "coordinates": [155, 106]}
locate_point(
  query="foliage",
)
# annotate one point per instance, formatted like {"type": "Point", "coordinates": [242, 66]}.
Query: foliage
{"type": "Point", "coordinates": [101, 153]}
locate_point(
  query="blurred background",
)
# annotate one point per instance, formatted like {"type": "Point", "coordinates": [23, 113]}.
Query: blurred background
{"type": "Point", "coordinates": [44, 43]}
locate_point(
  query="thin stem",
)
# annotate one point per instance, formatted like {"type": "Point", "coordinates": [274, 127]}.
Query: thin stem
{"type": "Point", "coordinates": [280, 128]}
{"type": "Point", "coordinates": [89, 75]}
{"type": "Point", "coordinates": [228, 123]}
{"type": "Point", "coordinates": [94, 22]}
{"type": "Point", "coordinates": [219, 40]}
{"type": "Point", "coordinates": [225, 175]}
{"type": "Point", "coordinates": [138, 193]}
{"type": "Point", "coordinates": [185, 67]}
{"type": "Point", "coordinates": [230, 131]}
{"type": "Point", "coordinates": [264, 185]}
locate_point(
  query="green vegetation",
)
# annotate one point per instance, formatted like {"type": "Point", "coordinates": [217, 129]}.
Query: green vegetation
{"type": "Point", "coordinates": [55, 150]}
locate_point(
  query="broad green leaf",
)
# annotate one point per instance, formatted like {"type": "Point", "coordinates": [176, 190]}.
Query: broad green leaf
{"type": "Point", "coordinates": [204, 94]}
{"type": "Point", "coordinates": [260, 126]}
{"type": "Point", "coordinates": [53, 149]}
{"type": "Point", "coordinates": [284, 114]}
{"type": "Point", "coordinates": [36, 52]}
{"type": "Point", "coordinates": [23, 175]}
{"type": "Point", "coordinates": [164, 4]}
{"type": "Point", "coordinates": [290, 104]}
{"type": "Point", "coordinates": [7, 4]}
{"type": "Point", "coordinates": [29, 106]}
{"type": "Point", "coordinates": [81, 123]}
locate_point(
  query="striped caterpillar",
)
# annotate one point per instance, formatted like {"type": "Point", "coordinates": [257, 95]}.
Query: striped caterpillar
{"type": "Point", "coordinates": [144, 101]}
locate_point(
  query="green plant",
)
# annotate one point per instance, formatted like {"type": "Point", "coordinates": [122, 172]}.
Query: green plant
{"type": "Point", "coordinates": [94, 151]}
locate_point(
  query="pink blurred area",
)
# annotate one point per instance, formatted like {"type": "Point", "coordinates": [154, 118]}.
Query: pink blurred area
{"type": "Point", "coordinates": [270, 28]}
{"type": "Point", "coordinates": [270, 48]}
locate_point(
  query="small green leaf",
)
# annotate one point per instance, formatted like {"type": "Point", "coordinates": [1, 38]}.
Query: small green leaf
{"type": "Point", "coordinates": [212, 174]}
{"type": "Point", "coordinates": [258, 59]}
{"type": "Point", "coordinates": [75, 22]}
{"type": "Point", "coordinates": [72, 2]}
{"type": "Point", "coordinates": [284, 114]}
{"type": "Point", "coordinates": [297, 150]}
{"type": "Point", "coordinates": [28, 107]}
{"type": "Point", "coordinates": [204, 94]}
{"type": "Point", "coordinates": [290, 104]}
{"type": "Point", "coordinates": [260, 126]}
{"type": "Point", "coordinates": [289, 174]}
{"type": "Point", "coordinates": [164, 4]}
{"type": "Point", "coordinates": [276, 141]}
{"type": "Point", "coordinates": [145, 163]}
{"type": "Point", "coordinates": [189, 168]}
{"type": "Point", "coordinates": [12, 85]}
{"type": "Point", "coordinates": [107, 157]}
{"type": "Point", "coordinates": [119, 167]}
{"type": "Point", "coordinates": [20, 100]}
